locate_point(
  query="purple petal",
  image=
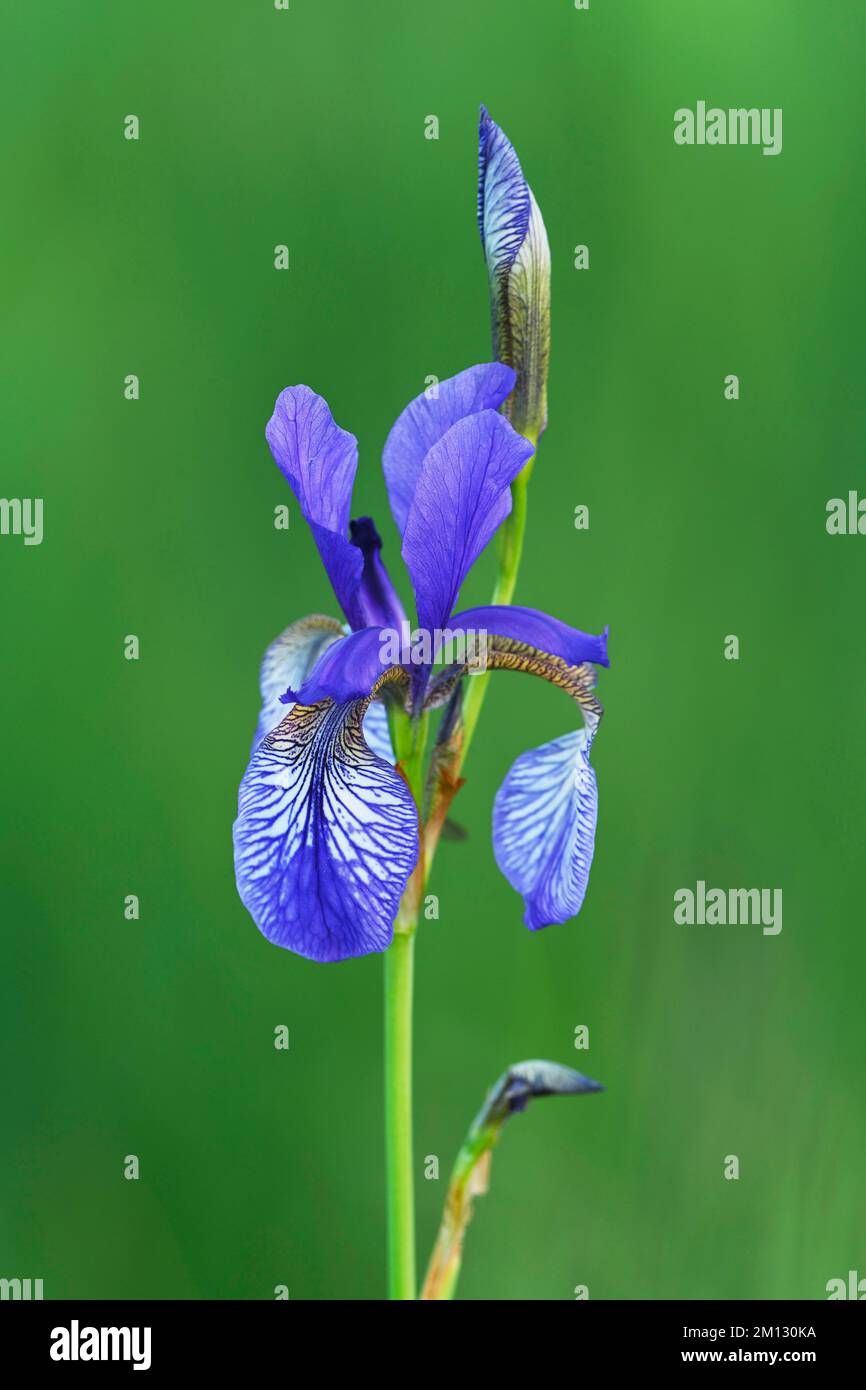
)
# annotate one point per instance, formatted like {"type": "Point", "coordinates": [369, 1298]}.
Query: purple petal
{"type": "Point", "coordinates": [379, 602]}
{"type": "Point", "coordinates": [318, 460]}
{"type": "Point", "coordinates": [326, 836]}
{"type": "Point", "coordinates": [349, 670]}
{"type": "Point", "coordinates": [423, 423]}
{"type": "Point", "coordinates": [536, 629]}
{"type": "Point", "coordinates": [463, 495]}
{"type": "Point", "coordinates": [544, 820]}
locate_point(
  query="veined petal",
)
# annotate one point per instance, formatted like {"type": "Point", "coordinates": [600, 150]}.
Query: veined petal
{"type": "Point", "coordinates": [286, 664]}
{"type": "Point", "coordinates": [326, 836]}
{"type": "Point", "coordinates": [462, 496]}
{"type": "Point", "coordinates": [545, 812]}
{"type": "Point", "coordinates": [518, 267]}
{"type": "Point", "coordinates": [319, 460]}
{"type": "Point", "coordinates": [503, 197]}
{"type": "Point", "coordinates": [425, 420]}
{"type": "Point", "coordinates": [356, 668]}
{"type": "Point", "coordinates": [377, 732]}
{"type": "Point", "coordinates": [544, 820]}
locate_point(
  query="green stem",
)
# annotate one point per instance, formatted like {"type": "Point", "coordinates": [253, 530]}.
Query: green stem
{"type": "Point", "coordinates": [513, 532]}
{"type": "Point", "coordinates": [444, 1268]}
{"type": "Point", "coordinates": [409, 737]}
{"type": "Point", "coordinates": [510, 550]}
{"type": "Point", "coordinates": [398, 1116]}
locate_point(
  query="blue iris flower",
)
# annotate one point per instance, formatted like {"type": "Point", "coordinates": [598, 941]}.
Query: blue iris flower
{"type": "Point", "coordinates": [327, 833]}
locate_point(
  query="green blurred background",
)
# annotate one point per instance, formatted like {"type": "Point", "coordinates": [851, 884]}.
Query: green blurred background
{"type": "Point", "coordinates": [707, 518]}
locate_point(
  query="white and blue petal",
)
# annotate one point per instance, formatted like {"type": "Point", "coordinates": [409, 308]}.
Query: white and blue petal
{"type": "Point", "coordinates": [503, 197]}
{"type": "Point", "coordinates": [326, 835]}
{"type": "Point", "coordinates": [377, 732]}
{"type": "Point", "coordinates": [544, 820]}
{"type": "Point", "coordinates": [545, 812]}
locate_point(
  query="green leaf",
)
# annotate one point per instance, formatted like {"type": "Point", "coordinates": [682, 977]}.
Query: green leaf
{"type": "Point", "coordinates": [470, 1178]}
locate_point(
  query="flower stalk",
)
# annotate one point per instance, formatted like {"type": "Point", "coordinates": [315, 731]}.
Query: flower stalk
{"type": "Point", "coordinates": [409, 737]}
{"type": "Point", "coordinates": [518, 263]}
{"type": "Point", "coordinates": [399, 1160]}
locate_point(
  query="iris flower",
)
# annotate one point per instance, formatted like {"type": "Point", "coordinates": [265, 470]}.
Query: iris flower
{"type": "Point", "coordinates": [328, 832]}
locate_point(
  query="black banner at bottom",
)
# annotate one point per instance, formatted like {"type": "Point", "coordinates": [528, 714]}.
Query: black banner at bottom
{"type": "Point", "coordinates": [156, 1337]}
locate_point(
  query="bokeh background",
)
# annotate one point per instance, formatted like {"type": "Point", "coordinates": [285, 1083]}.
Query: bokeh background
{"type": "Point", "coordinates": [707, 518]}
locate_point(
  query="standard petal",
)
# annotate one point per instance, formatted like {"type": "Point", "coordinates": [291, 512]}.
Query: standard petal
{"type": "Point", "coordinates": [286, 664]}
{"type": "Point", "coordinates": [463, 495]}
{"type": "Point", "coordinates": [425, 420]}
{"type": "Point", "coordinates": [544, 820]}
{"type": "Point", "coordinates": [326, 836]}
{"type": "Point", "coordinates": [319, 460]}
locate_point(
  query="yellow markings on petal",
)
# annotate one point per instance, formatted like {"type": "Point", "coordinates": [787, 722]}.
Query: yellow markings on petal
{"type": "Point", "coordinates": [507, 654]}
